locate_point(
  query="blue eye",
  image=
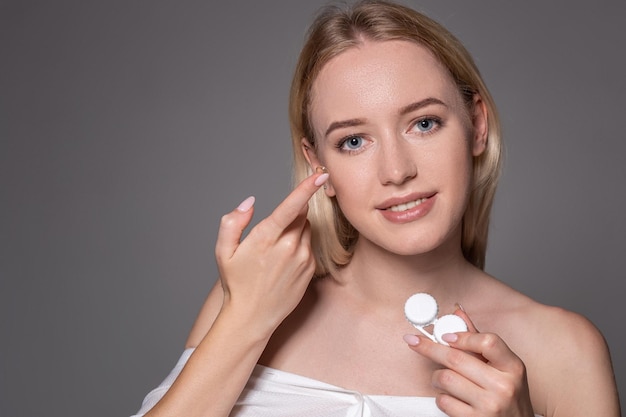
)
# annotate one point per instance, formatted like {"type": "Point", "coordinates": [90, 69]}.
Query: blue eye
{"type": "Point", "coordinates": [352, 143]}
{"type": "Point", "coordinates": [425, 125]}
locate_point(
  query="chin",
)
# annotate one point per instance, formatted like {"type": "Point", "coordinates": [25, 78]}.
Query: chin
{"type": "Point", "coordinates": [412, 247]}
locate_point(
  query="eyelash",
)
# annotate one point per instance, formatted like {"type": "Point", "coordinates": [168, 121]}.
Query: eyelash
{"type": "Point", "coordinates": [437, 124]}
{"type": "Point", "coordinates": [340, 145]}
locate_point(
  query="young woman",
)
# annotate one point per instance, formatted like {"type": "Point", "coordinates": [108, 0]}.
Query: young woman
{"type": "Point", "coordinates": [397, 154]}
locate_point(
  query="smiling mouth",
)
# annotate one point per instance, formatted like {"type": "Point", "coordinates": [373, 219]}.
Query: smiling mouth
{"type": "Point", "coordinates": [407, 206]}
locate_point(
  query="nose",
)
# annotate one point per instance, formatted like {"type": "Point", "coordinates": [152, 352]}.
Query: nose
{"type": "Point", "coordinates": [396, 162]}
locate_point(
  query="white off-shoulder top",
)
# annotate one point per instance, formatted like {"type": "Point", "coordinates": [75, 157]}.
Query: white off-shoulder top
{"type": "Point", "coordinates": [275, 393]}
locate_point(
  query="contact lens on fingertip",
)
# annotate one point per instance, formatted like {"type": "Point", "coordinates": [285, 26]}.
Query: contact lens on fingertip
{"type": "Point", "coordinates": [421, 310]}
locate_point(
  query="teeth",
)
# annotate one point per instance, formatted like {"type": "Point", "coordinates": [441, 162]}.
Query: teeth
{"type": "Point", "coordinates": [407, 206]}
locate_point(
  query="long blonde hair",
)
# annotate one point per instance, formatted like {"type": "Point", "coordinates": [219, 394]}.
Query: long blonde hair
{"type": "Point", "coordinates": [336, 30]}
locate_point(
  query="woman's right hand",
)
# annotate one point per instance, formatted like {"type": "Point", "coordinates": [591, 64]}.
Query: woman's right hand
{"type": "Point", "coordinates": [264, 277]}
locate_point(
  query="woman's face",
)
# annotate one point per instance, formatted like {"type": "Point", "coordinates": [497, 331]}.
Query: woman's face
{"type": "Point", "coordinates": [392, 129]}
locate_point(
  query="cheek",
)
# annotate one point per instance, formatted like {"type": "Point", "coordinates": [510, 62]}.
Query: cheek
{"type": "Point", "coordinates": [349, 179]}
{"type": "Point", "coordinates": [346, 173]}
{"type": "Point", "coordinates": [449, 156]}
{"type": "Point", "coordinates": [460, 164]}
{"type": "Point", "coordinates": [461, 170]}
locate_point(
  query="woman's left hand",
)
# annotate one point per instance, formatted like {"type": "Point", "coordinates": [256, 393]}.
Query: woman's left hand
{"type": "Point", "coordinates": [481, 376]}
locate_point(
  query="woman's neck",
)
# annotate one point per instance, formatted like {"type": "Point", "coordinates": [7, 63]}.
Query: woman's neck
{"type": "Point", "coordinates": [379, 277]}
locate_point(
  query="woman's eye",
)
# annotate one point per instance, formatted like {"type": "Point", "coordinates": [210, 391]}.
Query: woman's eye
{"type": "Point", "coordinates": [352, 143]}
{"type": "Point", "coordinates": [426, 125]}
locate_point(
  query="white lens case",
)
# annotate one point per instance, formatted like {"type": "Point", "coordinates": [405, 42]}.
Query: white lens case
{"type": "Point", "coordinates": [421, 310]}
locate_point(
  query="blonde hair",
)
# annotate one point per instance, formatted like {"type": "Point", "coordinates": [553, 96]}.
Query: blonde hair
{"type": "Point", "coordinates": [336, 30]}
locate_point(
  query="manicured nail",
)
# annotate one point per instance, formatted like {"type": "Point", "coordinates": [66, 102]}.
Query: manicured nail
{"type": "Point", "coordinates": [246, 204]}
{"type": "Point", "coordinates": [459, 307]}
{"type": "Point", "coordinates": [450, 337]}
{"type": "Point", "coordinates": [411, 339]}
{"type": "Point", "coordinates": [321, 179]}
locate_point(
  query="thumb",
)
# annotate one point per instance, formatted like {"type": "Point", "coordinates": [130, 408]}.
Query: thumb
{"type": "Point", "coordinates": [459, 311]}
{"type": "Point", "coordinates": [232, 226]}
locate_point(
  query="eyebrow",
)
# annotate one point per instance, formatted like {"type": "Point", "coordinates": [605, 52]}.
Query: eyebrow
{"type": "Point", "coordinates": [342, 124]}
{"type": "Point", "coordinates": [419, 104]}
{"type": "Point", "coordinates": [403, 111]}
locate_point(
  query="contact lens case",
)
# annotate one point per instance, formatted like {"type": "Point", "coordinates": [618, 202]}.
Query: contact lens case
{"type": "Point", "coordinates": [421, 310]}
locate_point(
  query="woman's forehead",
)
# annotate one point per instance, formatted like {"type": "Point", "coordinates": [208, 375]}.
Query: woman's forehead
{"type": "Point", "coordinates": [379, 76]}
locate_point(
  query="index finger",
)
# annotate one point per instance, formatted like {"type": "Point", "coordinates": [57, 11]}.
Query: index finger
{"type": "Point", "coordinates": [297, 200]}
{"type": "Point", "coordinates": [489, 346]}
{"type": "Point", "coordinates": [455, 358]}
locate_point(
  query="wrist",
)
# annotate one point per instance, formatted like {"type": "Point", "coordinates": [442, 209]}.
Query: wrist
{"type": "Point", "coordinates": [244, 325]}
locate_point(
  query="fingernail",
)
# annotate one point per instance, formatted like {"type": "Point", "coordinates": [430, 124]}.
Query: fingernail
{"type": "Point", "coordinates": [459, 307]}
{"type": "Point", "coordinates": [321, 179]}
{"type": "Point", "coordinates": [411, 339]}
{"type": "Point", "coordinates": [450, 337]}
{"type": "Point", "coordinates": [246, 204]}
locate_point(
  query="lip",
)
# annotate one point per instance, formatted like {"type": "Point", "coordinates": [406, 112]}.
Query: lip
{"type": "Point", "coordinates": [411, 214]}
{"type": "Point", "coordinates": [394, 201]}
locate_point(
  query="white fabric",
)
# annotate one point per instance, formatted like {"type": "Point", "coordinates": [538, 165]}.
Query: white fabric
{"type": "Point", "coordinates": [274, 393]}
{"type": "Point", "coordinates": [156, 394]}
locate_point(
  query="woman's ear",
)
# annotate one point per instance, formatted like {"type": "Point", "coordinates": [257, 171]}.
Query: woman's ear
{"type": "Point", "coordinates": [309, 154]}
{"type": "Point", "coordinates": [311, 157]}
{"type": "Point", "coordinates": [480, 125]}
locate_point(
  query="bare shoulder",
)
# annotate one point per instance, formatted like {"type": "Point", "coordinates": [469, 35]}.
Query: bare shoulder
{"type": "Point", "coordinates": [569, 364]}
{"type": "Point", "coordinates": [559, 343]}
{"type": "Point", "coordinates": [567, 359]}
{"type": "Point", "coordinates": [209, 311]}
{"type": "Point", "coordinates": [531, 325]}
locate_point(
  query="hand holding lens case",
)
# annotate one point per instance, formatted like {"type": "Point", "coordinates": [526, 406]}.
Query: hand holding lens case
{"type": "Point", "coordinates": [421, 310]}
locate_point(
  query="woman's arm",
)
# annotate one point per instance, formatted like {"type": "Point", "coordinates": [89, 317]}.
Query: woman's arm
{"type": "Point", "coordinates": [216, 372]}
{"type": "Point", "coordinates": [263, 279]}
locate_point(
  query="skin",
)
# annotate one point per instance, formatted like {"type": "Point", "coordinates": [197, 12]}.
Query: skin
{"type": "Point", "coordinates": [519, 357]}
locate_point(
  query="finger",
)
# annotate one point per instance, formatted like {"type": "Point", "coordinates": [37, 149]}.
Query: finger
{"type": "Point", "coordinates": [296, 201]}
{"type": "Point", "coordinates": [461, 313]}
{"type": "Point", "coordinates": [305, 249]}
{"type": "Point", "coordinates": [456, 393]}
{"type": "Point", "coordinates": [305, 236]}
{"type": "Point", "coordinates": [489, 346]}
{"type": "Point", "coordinates": [298, 223]}
{"type": "Point", "coordinates": [453, 357]}
{"type": "Point", "coordinates": [296, 237]}
{"type": "Point", "coordinates": [452, 406]}
{"type": "Point", "coordinates": [231, 228]}
{"type": "Point", "coordinates": [470, 328]}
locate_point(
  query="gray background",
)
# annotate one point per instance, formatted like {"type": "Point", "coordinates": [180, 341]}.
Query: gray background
{"type": "Point", "coordinates": [128, 128]}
